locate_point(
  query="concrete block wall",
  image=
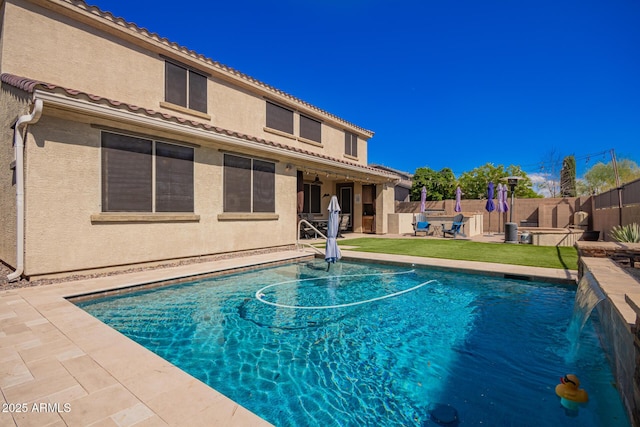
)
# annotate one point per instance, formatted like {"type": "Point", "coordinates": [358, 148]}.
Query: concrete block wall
{"type": "Point", "coordinates": [546, 213]}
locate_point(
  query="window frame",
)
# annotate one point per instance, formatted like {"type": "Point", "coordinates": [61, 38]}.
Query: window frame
{"type": "Point", "coordinates": [257, 183]}
{"type": "Point", "coordinates": [272, 121]}
{"type": "Point", "coordinates": [310, 128]}
{"type": "Point", "coordinates": [149, 189]}
{"type": "Point", "coordinates": [350, 144]}
{"type": "Point", "coordinates": [308, 198]}
{"type": "Point", "coordinates": [194, 82]}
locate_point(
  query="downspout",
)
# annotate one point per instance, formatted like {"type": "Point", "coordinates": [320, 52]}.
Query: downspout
{"type": "Point", "coordinates": [18, 146]}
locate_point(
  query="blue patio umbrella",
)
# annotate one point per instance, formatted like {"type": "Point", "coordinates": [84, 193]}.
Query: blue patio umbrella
{"type": "Point", "coordinates": [490, 206]}
{"type": "Point", "coordinates": [332, 252]}
{"type": "Point", "coordinates": [458, 207]}
{"type": "Point", "coordinates": [423, 199]}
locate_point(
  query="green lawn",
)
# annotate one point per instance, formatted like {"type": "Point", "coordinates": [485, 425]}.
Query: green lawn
{"type": "Point", "coordinates": [529, 255]}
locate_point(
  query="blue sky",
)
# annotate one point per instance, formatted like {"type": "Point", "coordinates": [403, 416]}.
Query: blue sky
{"type": "Point", "coordinates": [452, 84]}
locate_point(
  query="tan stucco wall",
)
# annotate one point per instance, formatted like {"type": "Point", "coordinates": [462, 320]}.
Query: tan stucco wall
{"type": "Point", "coordinates": [2, 8]}
{"type": "Point", "coordinates": [13, 103]}
{"type": "Point", "coordinates": [385, 202]}
{"type": "Point", "coordinates": [77, 49]}
{"type": "Point", "coordinates": [42, 45]}
{"type": "Point", "coordinates": [235, 108]}
{"type": "Point", "coordinates": [63, 177]}
{"type": "Point", "coordinates": [79, 56]}
{"type": "Point", "coordinates": [555, 237]}
{"type": "Point", "coordinates": [547, 213]}
{"type": "Point", "coordinates": [605, 219]}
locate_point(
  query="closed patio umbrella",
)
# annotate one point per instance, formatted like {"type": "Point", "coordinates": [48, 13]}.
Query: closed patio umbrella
{"type": "Point", "coordinates": [505, 198]}
{"type": "Point", "coordinates": [423, 199]}
{"type": "Point", "coordinates": [332, 252]}
{"type": "Point", "coordinates": [458, 207]}
{"type": "Point", "coordinates": [502, 203]}
{"type": "Point", "coordinates": [490, 206]}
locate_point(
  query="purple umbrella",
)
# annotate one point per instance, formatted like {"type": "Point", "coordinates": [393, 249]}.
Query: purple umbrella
{"type": "Point", "coordinates": [505, 204]}
{"type": "Point", "coordinates": [458, 208]}
{"type": "Point", "coordinates": [502, 205]}
{"type": "Point", "coordinates": [490, 206]}
{"type": "Point", "coordinates": [423, 199]}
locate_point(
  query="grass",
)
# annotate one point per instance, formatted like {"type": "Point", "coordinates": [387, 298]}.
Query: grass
{"type": "Point", "coordinates": [529, 255]}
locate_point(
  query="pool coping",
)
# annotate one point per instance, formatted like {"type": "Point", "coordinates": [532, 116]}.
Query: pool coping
{"type": "Point", "coordinates": [61, 366]}
{"type": "Point", "coordinates": [553, 275]}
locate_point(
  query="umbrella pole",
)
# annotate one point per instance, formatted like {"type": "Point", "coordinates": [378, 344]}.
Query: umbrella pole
{"type": "Point", "coordinates": [489, 233]}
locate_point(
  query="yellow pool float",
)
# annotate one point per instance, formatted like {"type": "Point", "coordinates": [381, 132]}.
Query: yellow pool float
{"type": "Point", "coordinates": [569, 389]}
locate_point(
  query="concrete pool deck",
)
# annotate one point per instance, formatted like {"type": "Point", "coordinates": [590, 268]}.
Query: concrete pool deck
{"type": "Point", "coordinates": [60, 366]}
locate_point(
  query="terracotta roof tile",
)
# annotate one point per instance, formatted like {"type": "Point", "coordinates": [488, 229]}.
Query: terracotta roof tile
{"type": "Point", "coordinates": [94, 10]}
{"type": "Point", "coordinates": [31, 86]}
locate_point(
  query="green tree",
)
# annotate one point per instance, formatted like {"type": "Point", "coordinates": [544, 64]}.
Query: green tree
{"type": "Point", "coordinates": [568, 177]}
{"type": "Point", "coordinates": [601, 177]}
{"type": "Point", "coordinates": [474, 183]}
{"type": "Point", "coordinates": [440, 185]}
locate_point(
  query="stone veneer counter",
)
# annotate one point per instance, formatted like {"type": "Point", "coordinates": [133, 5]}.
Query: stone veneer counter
{"type": "Point", "coordinates": [616, 268]}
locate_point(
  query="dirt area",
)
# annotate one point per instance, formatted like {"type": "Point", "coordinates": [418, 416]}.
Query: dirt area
{"type": "Point", "coordinates": [23, 283]}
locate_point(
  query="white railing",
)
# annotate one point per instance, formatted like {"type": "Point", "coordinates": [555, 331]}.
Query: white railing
{"type": "Point", "coordinates": [315, 230]}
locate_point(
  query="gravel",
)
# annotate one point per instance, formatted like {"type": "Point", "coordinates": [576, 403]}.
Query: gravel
{"type": "Point", "coordinates": [23, 283]}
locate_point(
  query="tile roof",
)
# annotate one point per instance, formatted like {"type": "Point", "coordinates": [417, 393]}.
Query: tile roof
{"type": "Point", "coordinates": [96, 11]}
{"type": "Point", "coordinates": [30, 86]}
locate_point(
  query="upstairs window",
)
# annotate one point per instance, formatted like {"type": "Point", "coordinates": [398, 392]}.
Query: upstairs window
{"type": "Point", "coordinates": [279, 118]}
{"type": "Point", "coordinates": [128, 181]}
{"type": "Point", "coordinates": [249, 185]}
{"type": "Point", "coordinates": [310, 129]}
{"type": "Point", "coordinates": [350, 144]}
{"type": "Point", "coordinates": [185, 87]}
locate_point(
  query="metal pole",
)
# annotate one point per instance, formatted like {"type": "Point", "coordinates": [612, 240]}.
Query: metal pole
{"type": "Point", "coordinates": [618, 187]}
{"type": "Point", "coordinates": [511, 210]}
{"type": "Point", "coordinates": [615, 167]}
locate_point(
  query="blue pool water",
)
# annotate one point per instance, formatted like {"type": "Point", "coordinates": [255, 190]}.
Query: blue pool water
{"type": "Point", "coordinates": [453, 349]}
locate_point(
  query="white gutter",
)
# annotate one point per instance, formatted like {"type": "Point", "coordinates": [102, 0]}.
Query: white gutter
{"type": "Point", "coordinates": [18, 146]}
{"type": "Point", "coordinates": [99, 110]}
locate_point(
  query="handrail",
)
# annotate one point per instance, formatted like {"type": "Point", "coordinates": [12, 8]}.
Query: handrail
{"type": "Point", "coordinates": [314, 229]}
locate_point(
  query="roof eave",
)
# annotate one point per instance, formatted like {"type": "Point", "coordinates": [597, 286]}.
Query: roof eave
{"type": "Point", "coordinates": [119, 27]}
{"type": "Point", "coordinates": [116, 112]}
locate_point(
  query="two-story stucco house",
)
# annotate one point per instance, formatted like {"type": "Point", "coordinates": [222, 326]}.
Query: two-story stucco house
{"type": "Point", "coordinates": [119, 147]}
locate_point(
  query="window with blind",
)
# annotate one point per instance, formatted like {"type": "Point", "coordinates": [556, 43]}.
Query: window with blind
{"type": "Point", "coordinates": [174, 178]}
{"type": "Point", "coordinates": [279, 118]}
{"type": "Point", "coordinates": [249, 185]}
{"type": "Point", "coordinates": [128, 180]}
{"type": "Point", "coordinates": [312, 199]}
{"type": "Point", "coordinates": [310, 129]}
{"type": "Point", "coordinates": [185, 87]}
{"type": "Point", "coordinates": [350, 144]}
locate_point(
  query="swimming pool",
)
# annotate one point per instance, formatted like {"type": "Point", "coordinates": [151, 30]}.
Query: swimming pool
{"type": "Point", "coordinates": [486, 350]}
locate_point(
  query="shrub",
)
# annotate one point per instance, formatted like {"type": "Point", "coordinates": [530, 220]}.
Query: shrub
{"type": "Point", "coordinates": [629, 233]}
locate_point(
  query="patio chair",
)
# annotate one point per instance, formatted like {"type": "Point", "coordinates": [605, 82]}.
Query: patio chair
{"type": "Point", "coordinates": [455, 227]}
{"type": "Point", "coordinates": [421, 224]}
{"type": "Point", "coordinates": [306, 232]}
{"type": "Point", "coordinates": [344, 224]}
